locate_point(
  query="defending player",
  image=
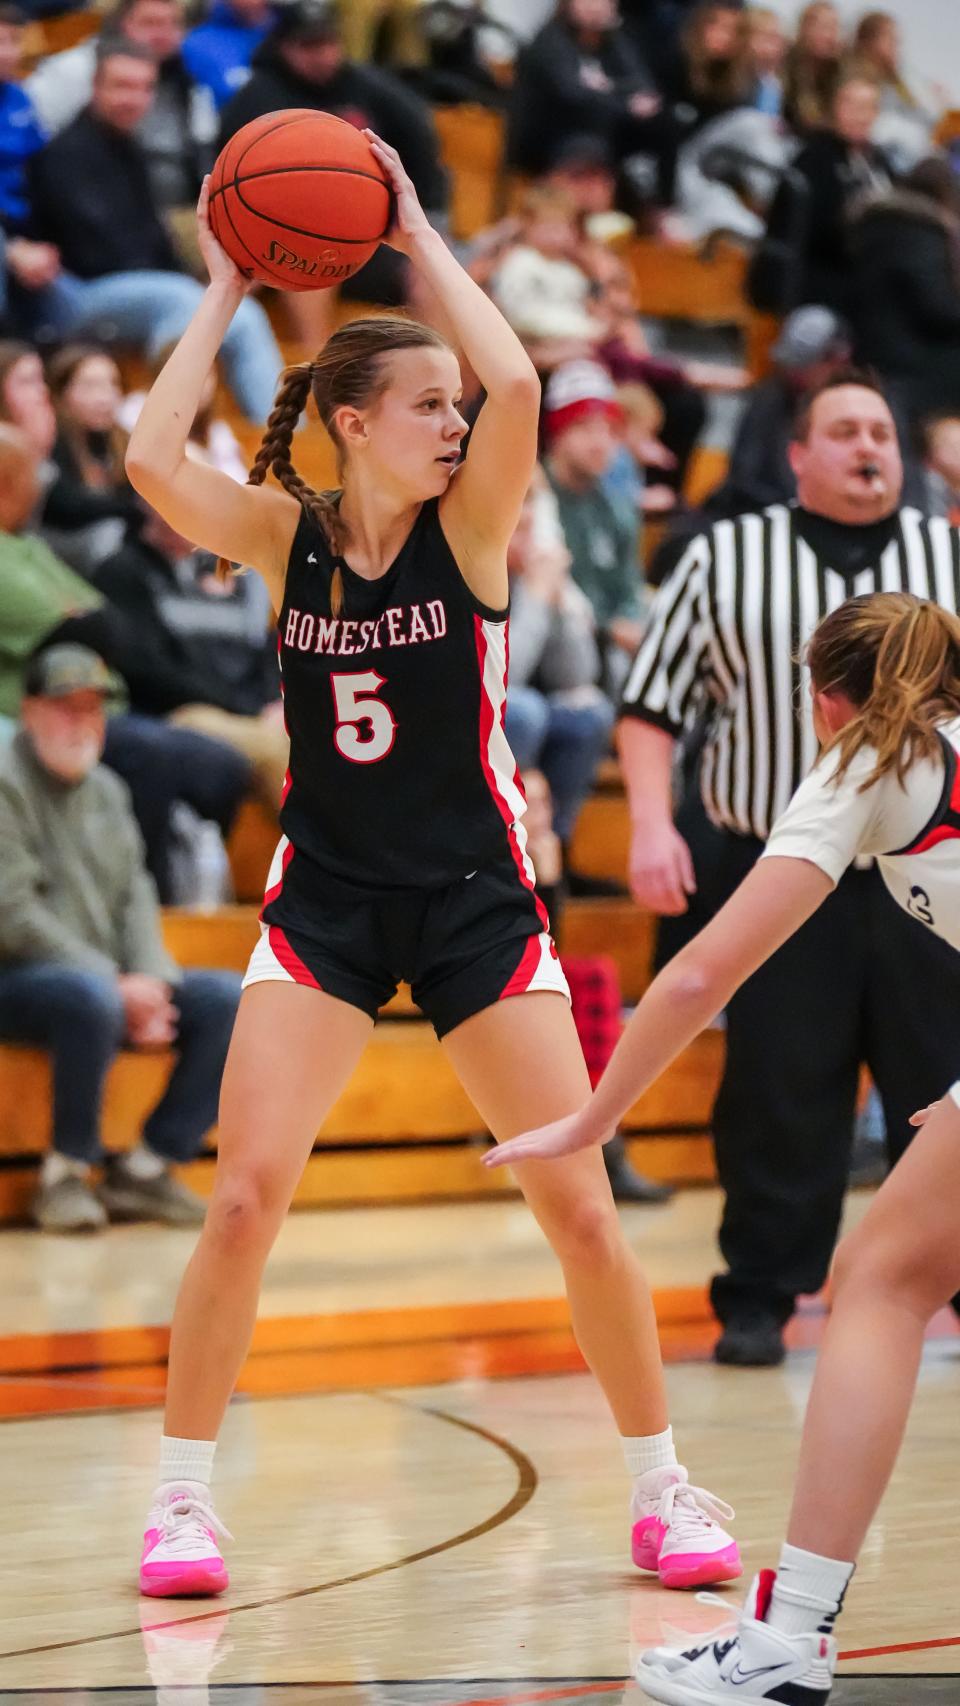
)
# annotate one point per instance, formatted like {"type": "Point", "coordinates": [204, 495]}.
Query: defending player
{"type": "Point", "coordinates": [402, 854]}
{"type": "Point", "coordinates": [885, 677]}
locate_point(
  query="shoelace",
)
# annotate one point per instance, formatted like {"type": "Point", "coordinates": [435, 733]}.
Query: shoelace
{"type": "Point", "coordinates": [183, 1522]}
{"type": "Point", "coordinates": [689, 1510]}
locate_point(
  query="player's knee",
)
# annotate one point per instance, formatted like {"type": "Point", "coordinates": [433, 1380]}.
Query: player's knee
{"type": "Point", "coordinates": [588, 1232]}
{"type": "Point", "coordinates": [871, 1262]}
{"type": "Point", "coordinates": [242, 1215]}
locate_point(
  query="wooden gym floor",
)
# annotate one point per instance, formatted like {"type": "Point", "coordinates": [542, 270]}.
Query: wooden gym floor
{"type": "Point", "coordinates": [426, 1492]}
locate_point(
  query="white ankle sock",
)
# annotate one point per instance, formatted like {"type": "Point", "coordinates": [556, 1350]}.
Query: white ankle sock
{"type": "Point", "coordinates": [808, 1593]}
{"type": "Point", "coordinates": [644, 1452]}
{"type": "Point", "coordinates": [186, 1460]}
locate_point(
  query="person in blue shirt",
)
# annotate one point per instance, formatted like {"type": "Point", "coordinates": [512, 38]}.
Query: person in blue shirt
{"type": "Point", "coordinates": [20, 130]}
{"type": "Point", "coordinates": [218, 52]}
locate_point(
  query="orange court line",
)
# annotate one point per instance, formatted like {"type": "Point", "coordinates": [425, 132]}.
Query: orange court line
{"type": "Point", "coordinates": [573, 1688]}
{"type": "Point", "coordinates": [105, 1347]}
{"type": "Point", "coordinates": [505, 1355]}
{"type": "Point", "coordinates": [902, 1647]}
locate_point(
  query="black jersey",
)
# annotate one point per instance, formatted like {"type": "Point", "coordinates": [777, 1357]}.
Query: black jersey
{"type": "Point", "coordinates": [400, 773]}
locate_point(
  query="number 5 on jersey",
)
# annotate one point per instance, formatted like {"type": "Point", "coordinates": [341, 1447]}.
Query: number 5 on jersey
{"type": "Point", "coordinates": [355, 703]}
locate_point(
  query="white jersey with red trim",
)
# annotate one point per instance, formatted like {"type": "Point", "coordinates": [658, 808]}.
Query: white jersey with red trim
{"type": "Point", "coordinates": [400, 772]}
{"type": "Point", "coordinates": [911, 829]}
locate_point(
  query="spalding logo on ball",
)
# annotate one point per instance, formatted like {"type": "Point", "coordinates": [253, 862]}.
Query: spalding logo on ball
{"type": "Point", "coordinates": [299, 200]}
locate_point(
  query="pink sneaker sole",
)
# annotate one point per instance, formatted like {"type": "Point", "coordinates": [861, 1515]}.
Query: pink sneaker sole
{"type": "Point", "coordinates": [699, 1570]}
{"type": "Point", "coordinates": [683, 1569]}
{"type": "Point", "coordinates": [172, 1581]}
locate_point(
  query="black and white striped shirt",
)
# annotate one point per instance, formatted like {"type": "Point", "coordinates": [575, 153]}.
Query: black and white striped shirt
{"type": "Point", "coordinates": [729, 626]}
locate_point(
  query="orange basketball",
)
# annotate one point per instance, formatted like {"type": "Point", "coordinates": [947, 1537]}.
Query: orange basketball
{"type": "Point", "coordinates": [299, 200]}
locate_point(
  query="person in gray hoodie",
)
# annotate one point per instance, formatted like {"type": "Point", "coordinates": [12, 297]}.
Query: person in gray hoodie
{"type": "Point", "coordinates": [83, 968]}
{"type": "Point", "coordinates": [558, 720]}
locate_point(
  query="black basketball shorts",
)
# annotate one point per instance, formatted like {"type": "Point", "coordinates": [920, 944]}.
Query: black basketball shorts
{"type": "Point", "coordinates": [461, 948]}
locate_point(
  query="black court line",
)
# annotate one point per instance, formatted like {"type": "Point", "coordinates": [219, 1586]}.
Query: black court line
{"type": "Point", "coordinates": [904, 1690]}
{"type": "Point", "coordinates": [527, 1481]}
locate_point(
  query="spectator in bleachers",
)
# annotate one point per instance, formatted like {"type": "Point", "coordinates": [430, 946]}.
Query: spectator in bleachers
{"type": "Point", "coordinates": [25, 400]}
{"type": "Point", "coordinates": [218, 52]}
{"type": "Point", "coordinates": [78, 521]}
{"type": "Point", "coordinates": [176, 132]}
{"type": "Point", "coordinates": [582, 75]}
{"type": "Point", "coordinates": [813, 343]}
{"type": "Point", "coordinates": [369, 27]}
{"type": "Point", "coordinates": [641, 453]}
{"type": "Point", "coordinates": [557, 718]}
{"type": "Point", "coordinates": [904, 128]}
{"type": "Point", "coordinates": [766, 52]}
{"type": "Point", "coordinates": [21, 132]}
{"type": "Point", "coordinates": [90, 502]}
{"type": "Point", "coordinates": [812, 68]}
{"type": "Point", "coordinates": [43, 602]}
{"type": "Point", "coordinates": [584, 169]}
{"type": "Point", "coordinates": [626, 354]}
{"type": "Point", "coordinates": [83, 968]}
{"type": "Point", "coordinates": [539, 286]}
{"type": "Point", "coordinates": [452, 65]}
{"type": "Point", "coordinates": [836, 165]}
{"type": "Point", "coordinates": [905, 294]}
{"type": "Point", "coordinates": [91, 197]}
{"type": "Point", "coordinates": [941, 446]}
{"type": "Point", "coordinates": [302, 63]}
{"type": "Point", "coordinates": [582, 420]}
{"type": "Point", "coordinates": [215, 633]}
{"type": "Point", "coordinates": [712, 75]}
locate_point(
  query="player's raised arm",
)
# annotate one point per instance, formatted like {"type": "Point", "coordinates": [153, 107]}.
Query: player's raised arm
{"type": "Point", "coordinates": [481, 510]}
{"type": "Point", "coordinates": [242, 523]}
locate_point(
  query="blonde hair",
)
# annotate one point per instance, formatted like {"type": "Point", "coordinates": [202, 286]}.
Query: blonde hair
{"type": "Point", "coordinates": [897, 658]}
{"type": "Point", "coordinates": [349, 372]}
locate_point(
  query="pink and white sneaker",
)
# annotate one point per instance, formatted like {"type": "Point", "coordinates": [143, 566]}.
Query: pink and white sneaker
{"type": "Point", "coordinates": [180, 1553]}
{"type": "Point", "coordinates": [677, 1534]}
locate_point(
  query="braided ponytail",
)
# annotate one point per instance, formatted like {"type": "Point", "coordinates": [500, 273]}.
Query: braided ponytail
{"type": "Point", "coordinates": [349, 372]}
{"type": "Point", "coordinates": [273, 457]}
{"type": "Point", "coordinates": [897, 659]}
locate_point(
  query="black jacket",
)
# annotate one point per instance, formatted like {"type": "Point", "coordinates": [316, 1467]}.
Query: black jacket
{"type": "Point", "coordinates": [834, 174]}
{"type": "Point", "coordinates": [550, 101]}
{"type": "Point", "coordinates": [360, 93]}
{"type": "Point", "coordinates": [207, 643]}
{"type": "Point", "coordinates": [905, 297]}
{"type": "Point", "coordinates": [90, 195]}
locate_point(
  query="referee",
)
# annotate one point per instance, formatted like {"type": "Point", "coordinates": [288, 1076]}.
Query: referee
{"type": "Point", "coordinates": [861, 981]}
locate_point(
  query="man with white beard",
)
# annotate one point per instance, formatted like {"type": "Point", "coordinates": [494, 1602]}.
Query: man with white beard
{"type": "Point", "coordinates": [83, 968]}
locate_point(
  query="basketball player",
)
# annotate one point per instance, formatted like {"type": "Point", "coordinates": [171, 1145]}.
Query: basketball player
{"type": "Point", "coordinates": [402, 855]}
{"type": "Point", "coordinates": [885, 677]}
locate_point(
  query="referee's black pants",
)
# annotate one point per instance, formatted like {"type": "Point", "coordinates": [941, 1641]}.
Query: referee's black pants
{"type": "Point", "coordinates": [860, 982]}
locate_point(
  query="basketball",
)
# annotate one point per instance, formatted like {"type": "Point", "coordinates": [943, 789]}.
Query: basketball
{"type": "Point", "coordinates": [299, 200]}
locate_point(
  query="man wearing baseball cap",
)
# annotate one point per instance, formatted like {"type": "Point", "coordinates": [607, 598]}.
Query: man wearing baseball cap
{"type": "Point", "coordinates": [83, 968]}
{"type": "Point", "coordinates": [581, 424]}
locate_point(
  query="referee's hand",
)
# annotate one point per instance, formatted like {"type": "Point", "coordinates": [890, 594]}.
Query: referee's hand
{"type": "Point", "coordinates": [661, 869]}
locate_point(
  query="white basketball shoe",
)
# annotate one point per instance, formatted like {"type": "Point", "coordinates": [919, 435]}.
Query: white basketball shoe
{"type": "Point", "coordinates": [757, 1663]}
